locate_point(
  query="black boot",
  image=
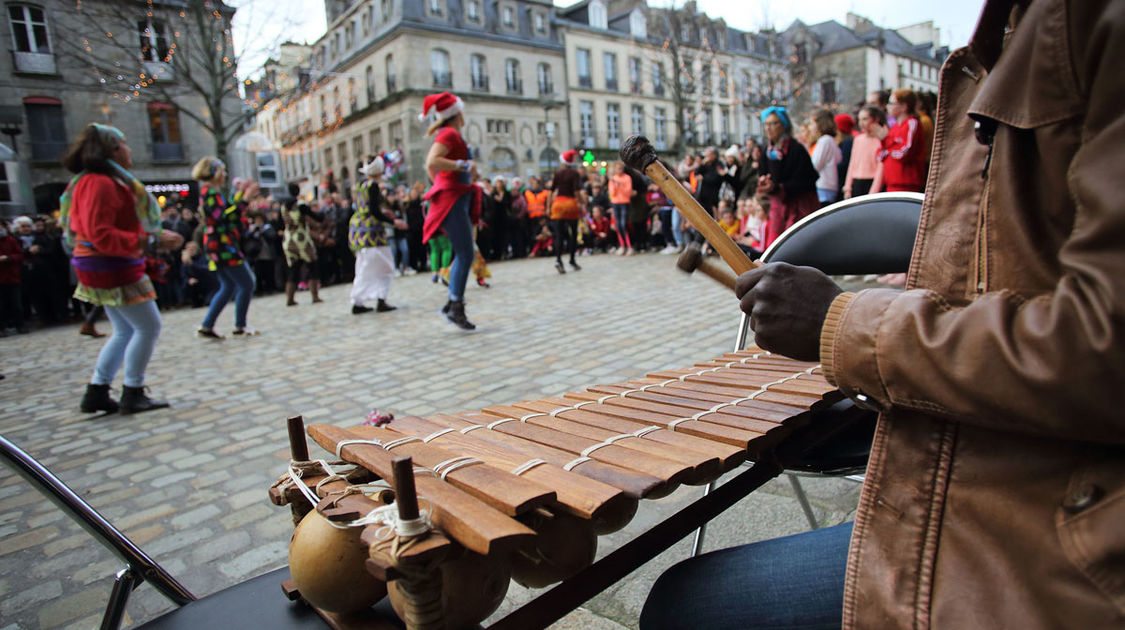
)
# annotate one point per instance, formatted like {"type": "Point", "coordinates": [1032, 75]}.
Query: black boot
{"type": "Point", "coordinates": [456, 315]}
{"type": "Point", "coordinates": [559, 266]}
{"type": "Point", "coordinates": [574, 265]}
{"type": "Point", "coordinates": [134, 400]}
{"type": "Point", "coordinates": [97, 399]}
{"type": "Point", "coordinates": [383, 307]}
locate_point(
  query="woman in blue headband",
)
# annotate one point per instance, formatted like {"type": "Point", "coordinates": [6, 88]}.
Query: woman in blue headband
{"type": "Point", "coordinates": [788, 176]}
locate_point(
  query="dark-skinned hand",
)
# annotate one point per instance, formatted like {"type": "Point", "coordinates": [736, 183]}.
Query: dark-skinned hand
{"type": "Point", "coordinates": [787, 306]}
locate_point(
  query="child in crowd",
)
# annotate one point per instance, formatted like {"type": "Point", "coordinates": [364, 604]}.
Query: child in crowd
{"type": "Point", "coordinates": [543, 239]}
{"type": "Point", "coordinates": [728, 222]}
{"type": "Point", "coordinates": [601, 230]}
{"type": "Point", "coordinates": [620, 196]}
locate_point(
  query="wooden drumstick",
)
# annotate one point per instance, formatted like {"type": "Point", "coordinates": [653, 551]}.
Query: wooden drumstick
{"type": "Point", "coordinates": [638, 154]}
{"type": "Point", "coordinates": [692, 260]}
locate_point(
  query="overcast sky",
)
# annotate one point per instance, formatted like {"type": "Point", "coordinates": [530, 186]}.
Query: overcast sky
{"type": "Point", "coordinates": [266, 23]}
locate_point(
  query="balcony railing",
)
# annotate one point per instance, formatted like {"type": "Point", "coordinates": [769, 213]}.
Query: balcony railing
{"type": "Point", "coordinates": [34, 63]}
{"type": "Point", "coordinates": [546, 88]}
{"type": "Point", "coordinates": [167, 152]}
{"type": "Point", "coordinates": [47, 150]}
{"type": "Point", "coordinates": [480, 83]}
{"type": "Point", "coordinates": [611, 85]}
{"type": "Point", "coordinates": [515, 86]}
{"type": "Point", "coordinates": [443, 79]}
{"type": "Point", "coordinates": [584, 81]}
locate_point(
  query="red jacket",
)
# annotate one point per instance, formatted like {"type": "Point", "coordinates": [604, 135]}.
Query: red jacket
{"type": "Point", "coordinates": [904, 156]}
{"type": "Point", "coordinates": [10, 268]}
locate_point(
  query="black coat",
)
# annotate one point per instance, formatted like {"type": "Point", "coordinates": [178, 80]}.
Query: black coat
{"type": "Point", "coordinates": [794, 172]}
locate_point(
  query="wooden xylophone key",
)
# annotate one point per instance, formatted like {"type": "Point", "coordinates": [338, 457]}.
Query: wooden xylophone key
{"type": "Point", "coordinates": [733, 382]}
{"type": "Point", "coordinates": [693, 400]}
{"type": "Point", "coordinates": [541, 413]}
{"type": "Point", "coordinates": [608, 507]}
{"type": "Point", "coordinates": [672, 473]}
{"type": "Point", "coordinates": [473, 524]}
{"type": "Point", "coordinates": [511, 494]}
{"type": "Point", "coordinates": [634, 484]}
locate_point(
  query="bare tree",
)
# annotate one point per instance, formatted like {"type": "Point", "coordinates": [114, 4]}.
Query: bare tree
{"type": "Point", "coordinates": [174, 51]}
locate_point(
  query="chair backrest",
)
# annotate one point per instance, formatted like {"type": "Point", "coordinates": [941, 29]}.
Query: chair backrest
{"type": "Point", "coordinates": [865, 235]}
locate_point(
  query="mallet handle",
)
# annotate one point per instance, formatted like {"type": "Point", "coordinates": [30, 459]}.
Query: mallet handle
{"type": "Point", "coordinates": [700, 219]}
{"type": "Point", "coordinates": [722, 276]}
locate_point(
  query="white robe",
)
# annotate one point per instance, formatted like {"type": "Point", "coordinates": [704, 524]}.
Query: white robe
{"type": "Point", "coordinates": [374, 271]}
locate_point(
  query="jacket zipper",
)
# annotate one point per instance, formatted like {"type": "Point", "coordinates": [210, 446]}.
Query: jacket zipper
{"type": "Point", "coordinates": [985, 130]}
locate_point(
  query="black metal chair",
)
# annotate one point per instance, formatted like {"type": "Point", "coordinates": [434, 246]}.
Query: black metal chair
{"type": "Point", "coordinates": [255, 603]}
{"type": "Point", "coordinates": [872, 234]}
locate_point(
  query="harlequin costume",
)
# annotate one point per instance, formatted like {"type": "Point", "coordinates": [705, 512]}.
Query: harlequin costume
{"type": "Point", "coordinates": [367, 238]}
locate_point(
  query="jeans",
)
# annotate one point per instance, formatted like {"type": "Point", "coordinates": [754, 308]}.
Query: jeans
{"type": "Point", "coordinates": [238, 280]}
{"type": "Point", "coordinates": [135, 330]}
{"type": "Point", "coordinates": [665, 214]}
{"type": "Point", "coordinates": [460, 232]}
{"type": "Point", "coordinates": [826, 195]}
{"type": "Point", "coordinates": [620, 212]}
{"type": "Point", "coordinates": [400, 248]}
{"type": "Point", "coordinates": [790, 583]}
{"type": "Point", "coordinates": [678, 227]}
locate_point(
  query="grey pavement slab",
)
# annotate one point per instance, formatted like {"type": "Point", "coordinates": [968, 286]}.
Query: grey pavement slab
{"type": "Point", "coordinates": [189, 483]}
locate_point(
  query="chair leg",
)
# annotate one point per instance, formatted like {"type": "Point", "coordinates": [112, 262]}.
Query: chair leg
{"type": "Point", "coordinates": [125, 581]}
{"type": "Point", "coordinates": [697, 544]}
{"type": "Point", "coordinates": [803, 500]}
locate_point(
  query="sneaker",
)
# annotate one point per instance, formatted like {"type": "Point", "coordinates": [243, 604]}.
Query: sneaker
{"type": "Point", "coordinates": [671, 249]}
{"type": "Point", "coordinates": [481, 283]}
{"type": "Point", "coordinates": [630, 252]}
{"type": "Point", "coordinates": [245, 332]}
{"type": "Point", "coordinates": [434, 278]}
{"type": "Point", "coordinates": [358, 309]}
{"type": "Point", "coordinates": [559, 266]}
{"type": "Point", "coordinates": [209, 333]}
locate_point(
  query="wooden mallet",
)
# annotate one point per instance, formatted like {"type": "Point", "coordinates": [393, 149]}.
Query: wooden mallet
{"type": "Point", "coordinates": [638, 154]}
{"type": "Point", "coordinates": [692, 260]}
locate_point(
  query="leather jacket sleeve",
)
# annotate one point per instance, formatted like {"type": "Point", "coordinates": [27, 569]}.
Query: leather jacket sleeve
{"type": "Point", "coordinates": [1049, 364]}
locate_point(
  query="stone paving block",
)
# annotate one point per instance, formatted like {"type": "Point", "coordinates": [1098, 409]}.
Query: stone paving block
{"type": "Point", "coordinates": [33, 538]}
{"type": "Point", "coordinates": [59, 611]}
{"type": "Point", "coordinates": [33, 596]}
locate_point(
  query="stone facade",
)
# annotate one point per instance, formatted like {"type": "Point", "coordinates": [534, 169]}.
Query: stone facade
{"type": "Point", "coordinates": [49, 91]}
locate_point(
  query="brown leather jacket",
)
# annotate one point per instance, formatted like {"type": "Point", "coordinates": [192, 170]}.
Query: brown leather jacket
{"type": "Point", "coordinates": [995, 495]}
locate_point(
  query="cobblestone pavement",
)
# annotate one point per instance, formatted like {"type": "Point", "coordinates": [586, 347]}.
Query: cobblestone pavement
{"type": "Point", "coordinates": [188, 484]}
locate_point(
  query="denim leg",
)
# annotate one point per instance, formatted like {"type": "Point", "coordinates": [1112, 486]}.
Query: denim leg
{"type": "Point", "coordinates": [666, 226]}
{"type": "Point", "coordinates": [221, 297]}
{"type": "Point", "coordinates": [113, 352]}
{"type": "Point", "coordinates": [145, 320]}
{"type": "Point", "coordinates": [790, 583]}
{"type": "Point", "coordinates": [619, 212]}
{"type": "Point", "coordinates": [460, 232]}
{"type": "Point", "coordinates": [244, 290]}
{"type": "Point", "coordinates": [677, 227]}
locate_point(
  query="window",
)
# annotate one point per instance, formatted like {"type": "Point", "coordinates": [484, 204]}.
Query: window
{"type": "Point", "coordinates": [349, 36]}
{"type": "Point", "coordinates": [704, 40]}
{"type": "Point", "coordinates": [437, 7]}
{"type": "Point", "coordinates": [613, 124]}
{"type": "Point", "coordinates": [323, 111]}
{"type": "Point", "coordinates": [586, 123]}
{"type": "Point", "coordinates": [800, 54]}
{"type": "Point", "coordinates": [439, 64]}
{"type": "Point", "coordinates": [368, 18]}
{"type": "Point", "coordinates": [582, 63]}
{"type": "Point", "coordinates": [154, 40]}
{"type": "Point", "coordinates": [724, 80]}
{"type": "Point", "coordinates": [164, 128]}
{"type": "Point", "coordinates": [658, 78]}
{"type": "Point", "coordinates": [328, 158]}
{"type": "Point", "coordinates": [334, 46]}
{"type": "Point", "coordinates": [500, 127]}
{"type": "Point", "coordinates": [342, 152]}
{"type": "Point", "coordinates": [29, 29]}
{"type": "Point", "coordinates": [385, 9]}
{"type": "Point", "coordinates": [638, 120]}
{"type": "Point", "coordinates": [637, 25]}
{"type": "Point", "coordinates": [512, 76]}
{"type": "Point", "coordinates": [389, 70]}
{"type": "Point", "coordinates": [689, 126]}
{"type": "Point", "coordinates": [395, 132]}
{"type": "Point", "coordinates": [543, 73]}
{"type": "Point", "coordinates": [46, 128]}
{"type": "Point", "coordinates": [708, 126]}
{"type": "Point", "coordinates": [353, 100]}
{"type": "Point", "coordinates": [635, 75]}
{"type": "Point", "coordinates": [375, 140]}
{"type": "Point", "coordinates": [472, 10]}
{"type": "Point", "coordinates": [369, 77]}
{"type": "Point", "coordinates": [478, 70]}
{"type": "Point", "coordinates": [610, 63]}
{"type": "Point", "coordinates": [6, 184]}
{"type": "Point", "coordinates": [540, 23]}
{"type": "Point", "coordinates": [687, 84]}
{"type": "Point", "coordinates": [597, 14]}
{"type": "Point", "coordinates": [509, 17]}
{"type": "Point", "coordinates": [724, 125]}
{"type": "Point", "coordinates": [705, 76]}
{"type": "Point", "coordinates": [828, 91]}
{"type": "Point", "coordinates": [660, 129]}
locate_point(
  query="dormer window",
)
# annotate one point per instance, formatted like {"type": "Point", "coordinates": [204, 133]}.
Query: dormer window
{"type": "Point", "coordinates": [508, 15]}
{"type": "Point", "coordinates": [472, 10]}
{"type": "Point", "coordinates": [703, 35]}
{"type": "Point", "coordinates": [437, 7]}
{"type": "Point", "coordinates": [637, 24]}
{"type": "Point", "coordinates": [540, 23]}
{"type": "Point", "coordinates": [598, 18]}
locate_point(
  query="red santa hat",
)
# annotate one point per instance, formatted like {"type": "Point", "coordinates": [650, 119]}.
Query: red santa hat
{"type": "Point", "coordinates": [569, 158]}
{"type": "Point", "coordinates": [438, 108]}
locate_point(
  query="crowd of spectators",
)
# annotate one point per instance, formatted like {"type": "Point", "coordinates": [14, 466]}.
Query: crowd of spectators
{"type": "Point", "coordinates": [882, 144]}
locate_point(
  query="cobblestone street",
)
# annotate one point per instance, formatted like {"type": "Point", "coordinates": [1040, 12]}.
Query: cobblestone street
{"type": "Point", "coordinates": [188, 484]}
